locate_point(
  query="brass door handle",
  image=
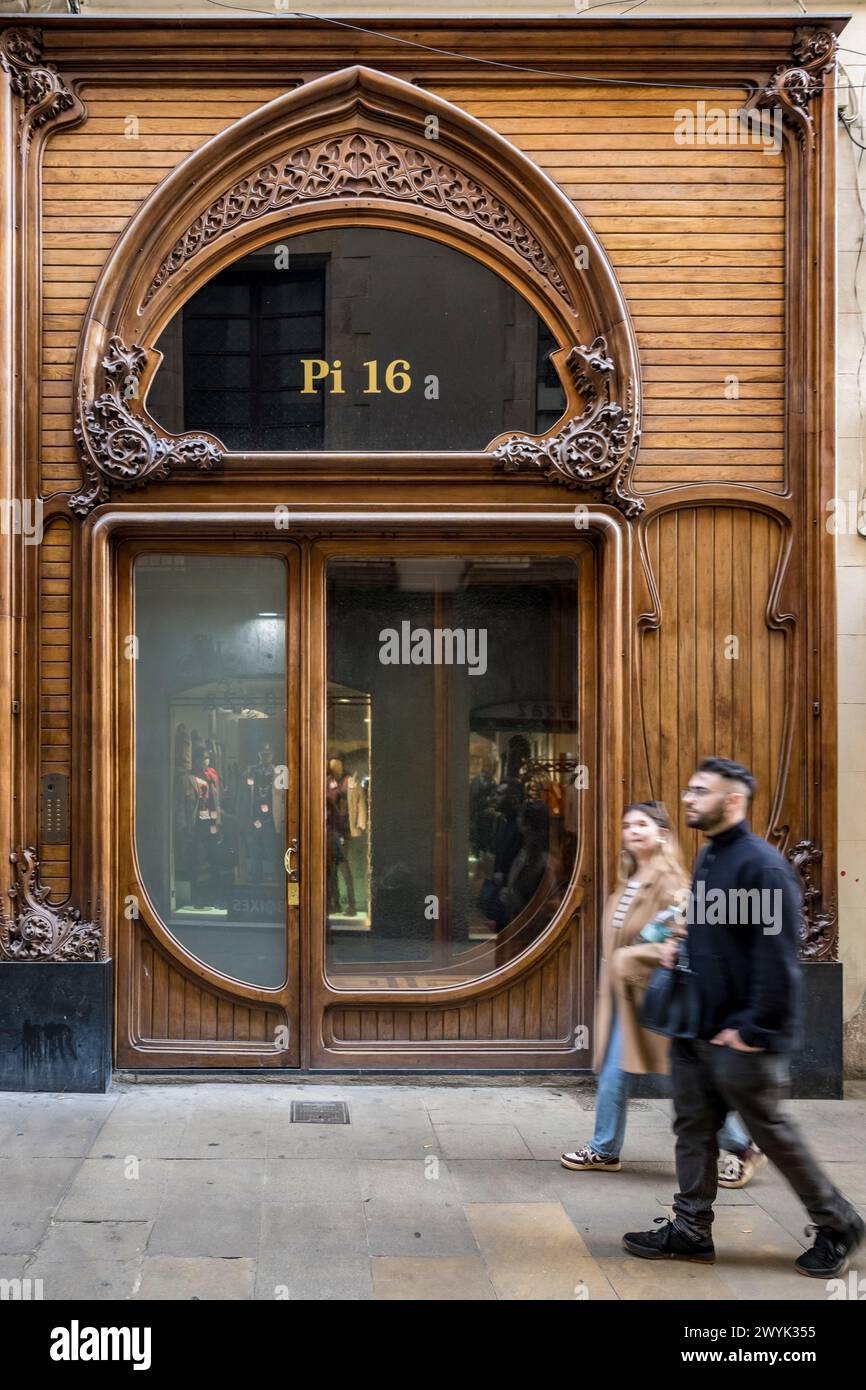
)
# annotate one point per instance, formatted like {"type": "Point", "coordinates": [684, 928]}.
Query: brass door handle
{"type": "Point", "coordinates": [292, 873]}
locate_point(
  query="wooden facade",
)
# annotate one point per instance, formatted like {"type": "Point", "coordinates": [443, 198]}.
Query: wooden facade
{"type": "Point", "coordinates": [708, 264]}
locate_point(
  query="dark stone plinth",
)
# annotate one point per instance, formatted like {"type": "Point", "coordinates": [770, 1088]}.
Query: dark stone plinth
{"type": "Point", "coordinates": [816, 1069]}
{"type": "Point", "coordinates": [55, 1025]}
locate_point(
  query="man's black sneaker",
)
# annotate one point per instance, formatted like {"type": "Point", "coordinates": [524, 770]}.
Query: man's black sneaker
{"type": "Point", "coordinates": [668, 1244]}
{"type": "Point", "coordinates": [829, 1254]}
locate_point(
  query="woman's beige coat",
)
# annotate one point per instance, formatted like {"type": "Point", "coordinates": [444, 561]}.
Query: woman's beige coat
{"type": "Point", "coordinates": [626, 965]}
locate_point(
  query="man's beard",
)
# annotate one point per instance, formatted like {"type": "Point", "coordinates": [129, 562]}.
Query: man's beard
{"type": "Point", "coordinates": [708, 820]}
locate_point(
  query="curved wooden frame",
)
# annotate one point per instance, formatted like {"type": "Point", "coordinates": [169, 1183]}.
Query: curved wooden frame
{"type": "Point", "coordinates": [354, 147]}
{"type": "Point", "coordinates": [498, 529]}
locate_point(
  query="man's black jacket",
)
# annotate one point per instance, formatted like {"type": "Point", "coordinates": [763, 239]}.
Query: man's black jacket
{"type": "Point", "coordinates": [743, 940]}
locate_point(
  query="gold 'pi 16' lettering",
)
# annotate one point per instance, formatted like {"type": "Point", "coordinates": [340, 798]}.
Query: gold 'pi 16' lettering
{"type": "Point", "coordinates": [318, 373]}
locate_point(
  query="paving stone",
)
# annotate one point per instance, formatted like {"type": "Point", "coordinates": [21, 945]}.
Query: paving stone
{"type": "Point", "coordinates": [12, 1266]}
{"type": "Point", "coordinates": [167, 1277]}
{"type": "Point", "coordinates": [532, 1251]}
{"type": "Point", "coordinates": [293, 1180]}
{"type": "Point", "coordinates": [394, 1105]}
{"type": "Point", "coordinates": [386, 1143]}
{"type": "Point", "coordinates": [499, 1179]}
{"type": "Point", "coordinates": [421, 1182]}
{"type": "Point", "coordinates": [39, 1134]}
{"type": "Point", "coordinates": [149, 1136]}
{"type": "Point", "coordinates": [294, 1275]}
{"type": "Point", "coordinates": [602, 1216]}
{"type": "Point", "coordinates": [636, 1279]}
{"type": "Point", "coordinates": [406, 1231]}
{"type": "Point", "coordinates": [755, 1258]}
{"type": "Point", "coordinates": [549, 1141]}
{"type": "Point", "coordinates": [27, 1182]}
{"type": "Point", "coordinates": [481, 1141]}
{"type": "Point", "coordinates": [286, 1140]}
{"type": "Point", "coordinates": [102, 1191]}
{"type": "Point", "coordinates": [23, 1225]}
{"type": "Point", "coordinates": [210, 1208]}
{"type": "Point", "coordinates": [31, 1193]}
{"type": "Point", "coordinates": [85, 1280]}
{"type": "Point", "coordinates": [70, 1241]}
{"type": "Point", "coordinates": [850, 1178]}
{"type": "Point", "coordinates": [423, 1190]}
{"type": "Point", "coordinates": [322, 1227]}
{"type": "Point", "coordinates": [470, 1110]}
{"type": "Point", "coordinates": [409, 1214]}
{"type": "Point", "coordinates": [457, 1278]}
{"type": "Point", "coordinates": [215, 1138]}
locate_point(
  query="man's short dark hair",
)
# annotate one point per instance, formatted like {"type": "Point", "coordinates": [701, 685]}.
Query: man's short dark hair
{"type": "Point", "coordinates": [731, 771]}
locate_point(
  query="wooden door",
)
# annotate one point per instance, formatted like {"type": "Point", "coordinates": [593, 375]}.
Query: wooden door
{"type": "Point", "coordinates": [208, 672]}
{"type": "Point", "coordinates": [475, 948]}
{"type": "Point", "coordinates": [387, 768]}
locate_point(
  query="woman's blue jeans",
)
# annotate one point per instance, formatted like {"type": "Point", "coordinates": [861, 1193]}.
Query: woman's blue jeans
{"type": "Point", "coordinates": [611, 1107]}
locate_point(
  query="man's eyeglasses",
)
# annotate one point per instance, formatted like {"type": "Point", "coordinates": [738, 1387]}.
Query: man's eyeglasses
{"type": "Point", "coordinates": [689, 793]}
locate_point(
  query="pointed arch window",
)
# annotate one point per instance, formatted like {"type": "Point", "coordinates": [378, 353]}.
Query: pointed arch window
{"type": "Point", "coordinates": [356, 338]}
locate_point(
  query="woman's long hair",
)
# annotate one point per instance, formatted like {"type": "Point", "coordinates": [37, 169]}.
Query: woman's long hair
{"type": "Point", "coordinates": [667, 858]}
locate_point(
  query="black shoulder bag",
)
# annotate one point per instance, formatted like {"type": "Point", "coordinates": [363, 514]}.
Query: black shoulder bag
{"type": "Point", "coordinates": [670, 1004]}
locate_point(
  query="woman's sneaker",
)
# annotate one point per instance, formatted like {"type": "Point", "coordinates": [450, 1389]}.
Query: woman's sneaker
{"type": "Point", "coordinates": [738, 1169]}
{"type": "Point", "coordinates": [586, 1160]}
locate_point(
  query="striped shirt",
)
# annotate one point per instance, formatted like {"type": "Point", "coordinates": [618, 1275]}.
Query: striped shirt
{"type": "Point", "coordinates": [624, 903]}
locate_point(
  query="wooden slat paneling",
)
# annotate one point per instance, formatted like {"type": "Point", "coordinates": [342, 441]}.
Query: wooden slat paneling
{"type": "Point", "coordinates": [692, 231]}
{"type": "Point", "coordinates": [55, 682]}
{"type": "Point", "coordinates": [538, 1007]}
{"type": "Point", "coordinates": [696, 235]}
{"type": "Point", "coordinates": [95, 177]}
{"type": "Point", "coordinates": [712, 677]}
{"type": "Point", "coordinates": [174, 1008]}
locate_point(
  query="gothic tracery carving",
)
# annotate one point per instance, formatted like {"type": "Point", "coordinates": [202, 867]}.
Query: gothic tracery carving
{"type": "Point", "coordinates": [359, 165]}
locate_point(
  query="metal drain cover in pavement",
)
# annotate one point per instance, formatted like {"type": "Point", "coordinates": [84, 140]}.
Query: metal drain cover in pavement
{"type": "Point", "coordinates": [320, 1112]}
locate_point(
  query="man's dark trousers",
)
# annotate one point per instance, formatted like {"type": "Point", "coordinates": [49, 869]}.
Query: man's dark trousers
{"type": "Point", "coordinates": [708, 1081]}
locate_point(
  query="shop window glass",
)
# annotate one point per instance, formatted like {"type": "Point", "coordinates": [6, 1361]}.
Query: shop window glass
{"type": "Point", "coordinates": [210, 775]}
{"type": "Point", "coordinates": [356, 339]}
{"type": "Point", "coordinates": [452, 777]}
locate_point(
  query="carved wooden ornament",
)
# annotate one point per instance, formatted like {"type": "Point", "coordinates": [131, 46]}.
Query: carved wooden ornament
{"type": "Point", "coordinates": [351, 147]}
{"type": "Point", "coordinates": [793, 85]}
{"type": "Point", "coordinates": [119, 446]}
{"type": "Point", "coordinates": [596, 446]}
{"type": "Point", "coordinates": [819, 927]}
{"type": "Point", "coordinates": [38, 929]}
{"type": "Point", "coordinates": [38, 83]}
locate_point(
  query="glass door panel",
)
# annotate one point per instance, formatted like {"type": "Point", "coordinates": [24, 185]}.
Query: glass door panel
{"type": "Point", "coordinates": [211, 773]}
{"type": "Point", "coordinates": [453, 769]}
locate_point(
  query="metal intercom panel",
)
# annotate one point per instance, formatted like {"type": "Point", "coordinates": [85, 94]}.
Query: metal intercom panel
{"type": "Point", "coordinates": [55, 808]}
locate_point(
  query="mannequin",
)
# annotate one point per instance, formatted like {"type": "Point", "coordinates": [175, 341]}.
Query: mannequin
{"type": "Point", "coordinates": [205, 835]}
{"type": "Point", "coordinates": [260, 816]}
{"type": "Point", "coordinates": [337, 827]}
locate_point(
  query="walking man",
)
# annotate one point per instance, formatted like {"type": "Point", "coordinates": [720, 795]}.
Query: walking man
{"type": "Point", "coordinates": [742, 942]}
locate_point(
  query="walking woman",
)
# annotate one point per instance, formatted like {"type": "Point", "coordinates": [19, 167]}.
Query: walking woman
{"type": "Point", "coordinates": [652, 879]}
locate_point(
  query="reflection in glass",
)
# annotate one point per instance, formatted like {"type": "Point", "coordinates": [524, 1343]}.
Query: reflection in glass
{"type": "Point", "coordinates": [472, 355]}
{"type": "Point", "coordinates": [452, 789]}
{"type": "Point", "coordinates": [210, 764]}
{"type": "Point", "coordinates": [347, 801]}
